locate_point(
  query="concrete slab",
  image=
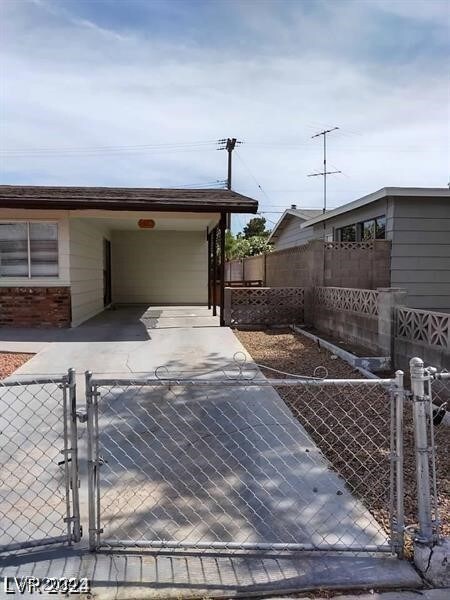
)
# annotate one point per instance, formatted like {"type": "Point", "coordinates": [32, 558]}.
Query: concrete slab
{"type": "Point", "coordinates": [194, 575]}
{"type": "Point", "coordinates": [423, 594]}
{"type": "Point", "coordinates": [218, 466]}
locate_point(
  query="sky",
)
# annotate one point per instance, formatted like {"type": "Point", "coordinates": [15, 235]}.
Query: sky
{"type": "Point", "coordinates": [137, 93]}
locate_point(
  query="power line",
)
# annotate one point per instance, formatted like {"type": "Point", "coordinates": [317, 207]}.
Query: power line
{"type": "Point", "coordinates": [251, 175]}
{"type": "Point", "coordinates": [101, 150]}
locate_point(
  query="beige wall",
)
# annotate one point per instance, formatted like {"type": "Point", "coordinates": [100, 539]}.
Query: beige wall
{"type": "Point", "coordinates": [159, 267]}
{"type": "Point", "coordinates": [86, 268]}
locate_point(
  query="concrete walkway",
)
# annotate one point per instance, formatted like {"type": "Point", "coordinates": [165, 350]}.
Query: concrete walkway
{"type": "Point", "coordinates": [218, 467]}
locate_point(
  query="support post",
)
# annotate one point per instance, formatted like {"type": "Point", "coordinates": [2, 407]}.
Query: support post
{"type": "Point", "coordinates": [223, 225]}
{"type": "Point", "coordinates": [425, 533]}
{"type": "Point", "coordinates": [388, 300]}
{"type": "Point", "coordinates": [91, 464]}
{"type": "Point", "coordinates": [399, 483]}
{"type": "Point", "coordinates": [74, 480]}
{"type": "Point", "coordinates": [214, 271]}
{"type": "Point", "coordinates": [209, 271]}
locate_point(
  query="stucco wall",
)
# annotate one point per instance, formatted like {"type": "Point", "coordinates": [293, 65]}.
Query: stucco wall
{"type": "Point", "coordinates": [86, 268]}
{"type": "Point", "coordinates": [159, 267]}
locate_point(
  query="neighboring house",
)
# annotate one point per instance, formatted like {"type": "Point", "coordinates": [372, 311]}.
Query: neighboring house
{"type": "Point", "coordinates": [67, 253]}
{"type": "Point", "coordinates": [288, 232]}
{"type": "Point", "coordinates": [415, 220]}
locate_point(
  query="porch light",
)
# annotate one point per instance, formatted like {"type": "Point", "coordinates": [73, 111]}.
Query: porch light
{"type": "Point", "coordinates": [146, 223]}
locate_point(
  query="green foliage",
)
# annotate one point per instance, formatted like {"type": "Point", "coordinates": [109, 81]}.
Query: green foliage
{"type": "Point", "coordinates": [256, 227]}
{"type": "Point", "coordinates": [241, 247]}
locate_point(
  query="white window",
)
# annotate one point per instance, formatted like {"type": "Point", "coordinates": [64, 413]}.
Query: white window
{"type": "Point", "coordinates": [29, 249]}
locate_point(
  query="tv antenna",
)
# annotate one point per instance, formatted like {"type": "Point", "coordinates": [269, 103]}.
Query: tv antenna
{"type": "Point", "coordinates": [324, 172]}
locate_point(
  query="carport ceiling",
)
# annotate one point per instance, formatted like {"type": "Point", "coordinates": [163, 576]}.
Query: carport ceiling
{"type": "Point", "coordinates": [163, 221]}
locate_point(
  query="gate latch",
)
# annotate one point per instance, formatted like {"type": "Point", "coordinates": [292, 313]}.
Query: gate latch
{"type": "Point", "coordinates": [81, 416]}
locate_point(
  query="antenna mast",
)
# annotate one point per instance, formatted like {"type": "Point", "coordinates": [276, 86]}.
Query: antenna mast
{"type": "Point", "coordinates": [325, 172]}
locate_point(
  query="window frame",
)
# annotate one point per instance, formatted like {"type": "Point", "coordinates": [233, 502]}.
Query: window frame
{"type": "Point", "coordinates": [359, 228]}
{"type": "Point", "coordinates": [29, 276]}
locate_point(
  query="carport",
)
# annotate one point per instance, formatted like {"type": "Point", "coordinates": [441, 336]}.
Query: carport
{"type": "Point", "coordinates": [66, 253]}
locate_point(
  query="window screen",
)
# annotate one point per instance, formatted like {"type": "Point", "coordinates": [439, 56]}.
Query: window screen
{"type": "Point", "coordinates": [44, 249]}
{"type": "Point", "coordinates": [29, 249]}
{"type": "Point", "coordinates": [13, 250]}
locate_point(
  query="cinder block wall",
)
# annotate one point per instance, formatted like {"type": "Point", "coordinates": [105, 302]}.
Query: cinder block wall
{"type": "Point", "coordinates": [364, 265]}
{"type": "Point", "coordinates": [352, 327]}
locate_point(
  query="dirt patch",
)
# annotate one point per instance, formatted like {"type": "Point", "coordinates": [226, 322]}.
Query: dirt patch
{"type": "Point", "coordinates": [10, 361]}
{"type": "Point", "coordinates": [350, 424]}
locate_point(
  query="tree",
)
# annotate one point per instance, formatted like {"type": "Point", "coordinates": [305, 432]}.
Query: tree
{"type": "Point", "coordinates": [256, 227]}
{"type": "Point", "coordinates": [241, 247]}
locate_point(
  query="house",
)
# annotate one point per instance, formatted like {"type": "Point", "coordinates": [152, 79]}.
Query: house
{"type": "Point", "coordinates": [287, 232]}
{"type": "Point", "coordinates": [415, 220]}
{"type": "Point", "coordinates": [66, 253]}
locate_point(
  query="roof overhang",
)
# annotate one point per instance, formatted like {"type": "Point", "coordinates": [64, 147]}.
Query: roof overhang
{"type": "Point", "coordinates": [387, 192]}
{"type": "Point", "coordinates": [130, 199]}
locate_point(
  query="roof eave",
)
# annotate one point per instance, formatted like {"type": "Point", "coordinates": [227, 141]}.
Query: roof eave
{"type": "Point", "coordinates": [386, 192]}
{"type": "Point", "coordinates": [126, 206]}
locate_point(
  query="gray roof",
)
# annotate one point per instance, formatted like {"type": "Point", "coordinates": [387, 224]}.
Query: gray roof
{"type": "Point", "coordinates": [387, 192]}
{"type": "Point", "coordinates": [107, 198]}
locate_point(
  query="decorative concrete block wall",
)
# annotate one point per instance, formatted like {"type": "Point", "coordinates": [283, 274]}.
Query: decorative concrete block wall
{"type": "Point", "coordinates": [362, 317]}
{"type": "Point", "coordinates": [35, 306]}
{"type": "Point", "coordinates": [422, 333]}
{"type": "Point", "coordinates": [258, 307]}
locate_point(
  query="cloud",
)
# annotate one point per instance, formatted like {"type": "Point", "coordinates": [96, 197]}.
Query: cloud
{"type": "Point", "coordinates": [271, 76]}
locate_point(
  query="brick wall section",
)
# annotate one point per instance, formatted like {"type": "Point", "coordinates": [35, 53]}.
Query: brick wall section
{"type": "Point", "coordinates": [35, 306]}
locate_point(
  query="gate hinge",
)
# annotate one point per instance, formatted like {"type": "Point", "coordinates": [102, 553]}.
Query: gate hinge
{"type": "Point", "coordinates": [95, 530]}
{"type": "Point", "coordinates": [69, 519]}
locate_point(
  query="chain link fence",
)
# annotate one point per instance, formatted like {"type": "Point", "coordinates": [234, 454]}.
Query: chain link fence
{"type": "Point", "coordinates": [245, 463]}
{"type": "Point", "coordinates": [437, 392]}
{"type": "Point", "coordinates": [38, 457]}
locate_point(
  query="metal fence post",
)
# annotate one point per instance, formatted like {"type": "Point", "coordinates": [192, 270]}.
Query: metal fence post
{"type": "Point", "coordinates": [75, 483]}
{"type": "Point", "coordinates": [91, 462]}
{"type": "Point", "coordinates": [418, 378]}
{"type": "Point", "coordinates": [399, 484]}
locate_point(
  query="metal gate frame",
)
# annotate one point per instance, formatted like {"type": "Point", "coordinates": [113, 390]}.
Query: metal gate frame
{"type": "Point", "coordinates": [396, 493]}
{"type": "Point", "coordinates": [71, 515]}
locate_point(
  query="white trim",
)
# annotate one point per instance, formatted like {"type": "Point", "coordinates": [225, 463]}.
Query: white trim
{"type": "Point", "coordinates": [400, 192]}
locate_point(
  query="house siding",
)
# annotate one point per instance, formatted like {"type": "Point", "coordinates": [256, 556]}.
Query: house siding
{"type": "Point", "coordinates": [86, 268]}
{"type": "Point", "coordinates": [292, 234]}
{"type": "Point", "coordinates": [159, 267]}
{"type": "Point", "coordinates": [375, 209]}
{"type": "Point", "coordinates": [420, 260]}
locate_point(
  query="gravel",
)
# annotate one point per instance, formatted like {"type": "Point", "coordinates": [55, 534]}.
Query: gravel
{"type": "Point", "coordinates": [350, 425]}
{"type": "Point", "coordinates": [10, 361]}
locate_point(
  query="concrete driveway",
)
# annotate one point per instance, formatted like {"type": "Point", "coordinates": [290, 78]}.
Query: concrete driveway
{"type": "Point", "coordinates": [223, 465]}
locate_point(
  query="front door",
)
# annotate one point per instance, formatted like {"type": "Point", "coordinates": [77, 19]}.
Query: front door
{"type": "Point", "coordinates": [106, 272]}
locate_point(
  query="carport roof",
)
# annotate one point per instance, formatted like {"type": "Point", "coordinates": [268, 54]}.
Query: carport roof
{"type": "Point", "coordinates": [108, 198]}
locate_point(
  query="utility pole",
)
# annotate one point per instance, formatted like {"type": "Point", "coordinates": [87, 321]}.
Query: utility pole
{"type": "Point", "coordinates": [228, 144]}
{"type": "Point", "coordinates": [325, 172]}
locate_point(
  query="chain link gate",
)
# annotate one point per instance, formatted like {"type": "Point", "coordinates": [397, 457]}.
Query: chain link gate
{"type": "Point", "coordinates": [39, 502]}
{"type": "Point", "coordinates": [230, 461]}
